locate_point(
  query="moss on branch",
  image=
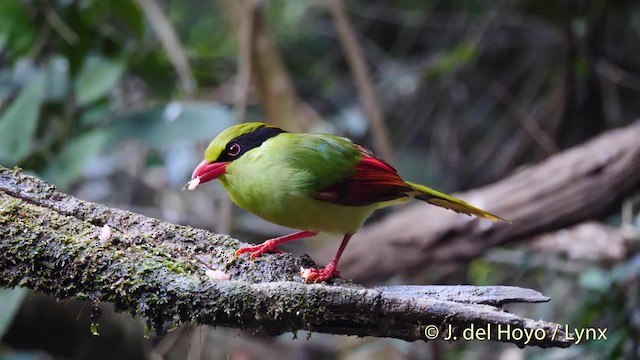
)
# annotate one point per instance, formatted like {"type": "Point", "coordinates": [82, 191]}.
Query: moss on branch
{"type": "Point", "coordinates": [50, 242]}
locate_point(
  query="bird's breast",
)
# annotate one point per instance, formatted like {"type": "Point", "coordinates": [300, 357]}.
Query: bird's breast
{"type": "Point", "coordinates": [282, 195]}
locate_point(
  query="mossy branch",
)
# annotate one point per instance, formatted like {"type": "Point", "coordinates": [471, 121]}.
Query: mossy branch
{"type": "Point", "coordinates": [50, 242]}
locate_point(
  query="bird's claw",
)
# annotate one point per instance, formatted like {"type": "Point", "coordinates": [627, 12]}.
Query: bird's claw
{"type": "Point", "coordinates": [319, 275]}
{"type": "Point", "coordinates": [257, 250]}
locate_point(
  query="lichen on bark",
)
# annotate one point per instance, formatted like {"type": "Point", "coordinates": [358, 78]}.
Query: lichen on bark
{"type": "Point", "coordinates": [50, 242]}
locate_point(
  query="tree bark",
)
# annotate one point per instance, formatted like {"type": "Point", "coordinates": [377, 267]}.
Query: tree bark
{"type": "Point", "coordinates": [581, 183]}
{"type": "Point", "coordinates": [54, 243]}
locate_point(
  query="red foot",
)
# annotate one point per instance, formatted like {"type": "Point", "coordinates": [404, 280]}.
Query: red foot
{"type": "Point", "coordinates": [321, 275]}
{"type": "Point", "coordinates": [258, 250]}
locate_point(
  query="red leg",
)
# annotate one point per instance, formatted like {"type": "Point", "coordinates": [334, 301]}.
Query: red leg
{"type": "Point", "coordinates": [271, 244]}
{"type": "Point", "coordinates": [328, 271]}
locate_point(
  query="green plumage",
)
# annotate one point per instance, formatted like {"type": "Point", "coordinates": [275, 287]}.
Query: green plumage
{"type": "Point", "coordinates": [443, 200]}
{"type": "Point", "coordinates": [279, 179]}
{"type": "Point", "coordinates": [312, 182]}
{"type": "Point", "coordinates": [276, 181]}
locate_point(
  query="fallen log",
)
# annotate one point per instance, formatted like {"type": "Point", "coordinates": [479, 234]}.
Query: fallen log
{"type": "Point", "coordinates": [581, 183]}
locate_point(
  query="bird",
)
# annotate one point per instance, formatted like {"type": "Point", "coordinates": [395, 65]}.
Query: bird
{"type": "Point", "coordinates": [310, 182]}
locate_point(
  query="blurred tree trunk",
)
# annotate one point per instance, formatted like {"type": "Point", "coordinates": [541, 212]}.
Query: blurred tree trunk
{"type": "Point", "coordinates": [260, 63]}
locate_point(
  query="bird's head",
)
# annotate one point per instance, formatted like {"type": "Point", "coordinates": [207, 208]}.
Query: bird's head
{"type": "Point", "coordinates": [229, 145]}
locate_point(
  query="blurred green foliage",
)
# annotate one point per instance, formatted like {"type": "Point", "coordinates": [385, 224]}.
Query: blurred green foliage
{"type": "Point", "coordinates": [63, 94]}
{"type": "Point", "coordinates": [10, 300]}
{"type": "Point", "coordinates": [18, 122]}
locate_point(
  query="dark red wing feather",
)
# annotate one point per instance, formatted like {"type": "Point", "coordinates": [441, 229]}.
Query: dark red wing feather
{"type": "Point", "coordinates": [374, 181]}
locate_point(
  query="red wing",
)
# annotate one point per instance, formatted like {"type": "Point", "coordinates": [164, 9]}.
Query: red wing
{"type": "Point", "coordinates": [374, 181]}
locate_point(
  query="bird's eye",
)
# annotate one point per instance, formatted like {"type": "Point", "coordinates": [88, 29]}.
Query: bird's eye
{"type": "Point", "coordinates": [234, 149]}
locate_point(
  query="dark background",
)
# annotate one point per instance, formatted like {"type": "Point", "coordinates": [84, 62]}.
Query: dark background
{"type": "Point", "coordinates": [99, 98]}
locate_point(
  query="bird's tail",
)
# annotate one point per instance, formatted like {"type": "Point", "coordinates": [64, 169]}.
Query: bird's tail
{"type": "Point", "coordinates": [443, 200]}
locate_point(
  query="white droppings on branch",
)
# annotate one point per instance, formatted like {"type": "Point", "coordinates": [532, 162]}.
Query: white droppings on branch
{"type": "Point", "coordinates": [217, 274]}
{"type": "Point", "coordinates": [105, 234]}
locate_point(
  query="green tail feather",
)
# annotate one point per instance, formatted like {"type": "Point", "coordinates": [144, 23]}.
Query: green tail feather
{"type": "Point", "coordinates": [443, 200]}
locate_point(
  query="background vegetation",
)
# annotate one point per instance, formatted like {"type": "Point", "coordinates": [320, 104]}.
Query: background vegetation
{"type": "Point", "coordinates": [114, 101]}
